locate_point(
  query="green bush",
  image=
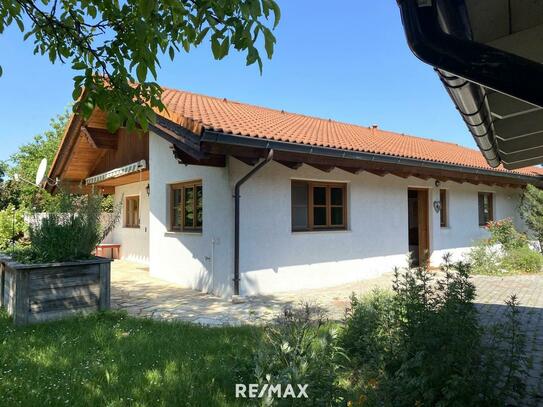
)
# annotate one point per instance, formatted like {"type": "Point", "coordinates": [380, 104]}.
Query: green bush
{"type": "Point", "coordinates": [301, 348]}
{"type": "Point", "coordinates": [523, 260]}
{"type": "Point", "coordinates": [12, 226]}
{"type": "Point", "coordinates": [506, 252]}
{"type": "Point", "coordinates": [70, 232]}
{"type": "Point", "coordinates": [503, 233]}
{"type": "Point", "coordinates": [424, 345]}
{"type": "Point", "coordinates": [485, 258]}
{"type": "Point", "coordinates": [370, 332]}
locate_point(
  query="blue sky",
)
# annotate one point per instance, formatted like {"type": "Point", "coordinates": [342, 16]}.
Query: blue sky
{"type": "Point", "coordinates": [349, 62]}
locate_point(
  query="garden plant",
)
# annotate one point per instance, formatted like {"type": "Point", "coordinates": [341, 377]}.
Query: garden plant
{"type": "Point", "coordinates": [67, 232]}
{"type": "Point", "coordinates": [423, 344]}
{"type": "Point", "coordinates": [506, 251]}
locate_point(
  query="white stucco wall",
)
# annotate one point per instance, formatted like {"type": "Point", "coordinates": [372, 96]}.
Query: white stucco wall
{"type": "Point", "coordinates": [201, 261]}
{"type": "Point", "coordinates": [463, 228]}
{"type": "Point", "coordinates": [134, 241]}
{"type": "Point", "coordinates": [272, 257]}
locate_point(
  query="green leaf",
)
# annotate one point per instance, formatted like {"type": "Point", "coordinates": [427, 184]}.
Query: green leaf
{"type": "Point", "coordinates": [201, 35]}
{"type": "Point", "coordinates": [146, 7]}
{"type": "Point", "coordinates": [141, 72]}
{"type": "Point", "coordinates": [52, 55]}
{"type": "Point", "coordinates": [172, 53]}
{"type": "Point", "coordinates": [86, 108]}
{"type": "Point", "coordinates": [20, 24]}
{"type": "Point", "coordinates": [225, 46]}
{"type": "Point", "coordinates": [256, 11]}
{"type": "Point", "coordinates": [78, 66]}
{"type": "Point", "coordinates": [113, 122]}
{"type": "Point", "coordinates": [1, 71]}
{"type": "Point", "coordinates": [269, 42]}
{"type": "Point", "coordinates": [216, 48]}
{"type": "Point", "coordinates": [77, 92]}
{"type": "Point", "coordinates": [276, 12]}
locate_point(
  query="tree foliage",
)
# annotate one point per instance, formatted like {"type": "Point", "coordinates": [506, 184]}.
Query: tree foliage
{"type": "Point", "coordinates": [115, 46]}
{"type": "Point", "coordinates": [25, 163]}
{"type": "Point", "coordinates": [531, 211]}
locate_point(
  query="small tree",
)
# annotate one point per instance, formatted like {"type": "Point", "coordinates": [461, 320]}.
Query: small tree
{"type": "Point", "coordinates": [531, 211]}
{"type": "Point", "coordinates": [25, 162]}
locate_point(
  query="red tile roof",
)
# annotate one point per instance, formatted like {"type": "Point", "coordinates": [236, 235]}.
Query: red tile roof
{"type": "Point", "coordinates": [198, 113]}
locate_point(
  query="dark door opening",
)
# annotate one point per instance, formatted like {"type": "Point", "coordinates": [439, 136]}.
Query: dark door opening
{"type": "Point", "coordinates": [418, 226]}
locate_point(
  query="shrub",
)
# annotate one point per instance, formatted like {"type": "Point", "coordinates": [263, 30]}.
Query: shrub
{"type": "Point", "coordinates": [71, 232]}
{"type": "Point", "coordinates": [301, 348]}
{"type": "Point", "coordinates": [506, 251]}
{"type": "Point", "coordinates": [531, 211]}
{"type": "Point", "coordinates": [12, 226]}
{"type": "Point", "coordinates": [523, 259]}
{"type": "Point", "coordinates": [423, 345]}
{"type": "Point", "coordinates": [503, 233]}
{"type": "Point", "coordinates": [484, 258]}
{"type": "Point", "coordinates": [370, 333]}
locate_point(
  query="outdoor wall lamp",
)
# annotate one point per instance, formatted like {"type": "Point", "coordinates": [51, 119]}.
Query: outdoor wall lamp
{"type": "Point", "coordinates": [437, 183]}
{"type": "Point", "coordinates": [148, 190]}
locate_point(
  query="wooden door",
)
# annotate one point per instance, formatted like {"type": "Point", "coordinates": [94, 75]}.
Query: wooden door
{"type": "Point", "coordinates": [424, 232]}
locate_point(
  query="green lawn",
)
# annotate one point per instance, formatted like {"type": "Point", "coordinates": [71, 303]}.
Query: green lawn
{"type": "Point", "coordinates": [111, 359]}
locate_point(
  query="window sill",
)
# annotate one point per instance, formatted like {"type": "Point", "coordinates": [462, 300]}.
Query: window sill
{"type": "Point", "coordinates": [319, 232]}
{"type": "Point", "coordinates": [131, 227]}
{"type": "Point", "coordinates": [182, 232]}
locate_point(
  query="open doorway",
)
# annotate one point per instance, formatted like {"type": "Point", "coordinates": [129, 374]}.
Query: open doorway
{"type": "Point", "coordinates": [419, 242]}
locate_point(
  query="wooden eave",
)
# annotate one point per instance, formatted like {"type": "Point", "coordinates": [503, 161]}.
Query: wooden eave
{"type": "Point", "coordinates": [198, 149]}
{"type": "Point", "coordinates": [87, 148]}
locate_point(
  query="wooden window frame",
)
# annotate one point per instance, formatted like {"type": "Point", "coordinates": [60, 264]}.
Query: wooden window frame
{"type": "Point", "coordinates": [444, 208]}
{"type": "Point", "coordinates": [127, 213]}
{"type": "Point", "coordinates": [328, 205]}
{"type": "Point", "coordinates": [183, 186]}
{"type": "Point", "coordinates": [490, 207]}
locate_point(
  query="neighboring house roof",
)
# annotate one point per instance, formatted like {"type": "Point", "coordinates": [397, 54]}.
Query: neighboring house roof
{"type": "Point", "coordinates": [199, 113]}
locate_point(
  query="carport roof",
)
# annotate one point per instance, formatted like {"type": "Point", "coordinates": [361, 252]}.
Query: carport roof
{"type": "Point", "coordinates": [488, 55]}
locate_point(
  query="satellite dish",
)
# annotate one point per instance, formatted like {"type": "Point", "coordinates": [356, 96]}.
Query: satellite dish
{"type": "Point", "coordinates": [40, 174]}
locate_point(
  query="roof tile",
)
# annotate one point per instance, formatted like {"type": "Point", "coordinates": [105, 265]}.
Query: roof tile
{"type": "Point", "coordinates": [199, 112]}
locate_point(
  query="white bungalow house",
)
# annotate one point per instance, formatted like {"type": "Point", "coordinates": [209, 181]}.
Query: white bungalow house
{"type": "Point", "coordinates": [230, 198]}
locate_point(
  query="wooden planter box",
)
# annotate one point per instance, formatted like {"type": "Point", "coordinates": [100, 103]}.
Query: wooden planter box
{"type": "Point", "coordinates": [42, 292]}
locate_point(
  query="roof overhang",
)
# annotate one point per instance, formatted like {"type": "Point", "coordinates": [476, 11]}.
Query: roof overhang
{"type": "Point", "coordinates": [119, 172]}
{"type": "Point", "coordinates": [488, 55]}
{"type": "Point", "coordinates": [210, 148]}
{"type": "Point", "coordinates": [90, 156]}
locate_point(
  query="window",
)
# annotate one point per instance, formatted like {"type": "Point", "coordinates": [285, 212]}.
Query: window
{"type": "Point", "coordinates": [443, 215]}
{"type": "Point", "coordinates": [132, 212]}
{"type": "Point", "coordinates": [186, 206]}
{"type": "Point", "coordinates": [486, 208]}
{"type": "Point", "coordinates": [318, 206]}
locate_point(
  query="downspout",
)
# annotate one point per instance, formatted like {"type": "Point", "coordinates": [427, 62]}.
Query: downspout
{"type": "Point", "coordinates": [236, 216]}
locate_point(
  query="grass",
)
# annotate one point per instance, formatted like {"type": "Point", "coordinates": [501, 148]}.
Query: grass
{"type": "Point", "coordinates": [111, 359]}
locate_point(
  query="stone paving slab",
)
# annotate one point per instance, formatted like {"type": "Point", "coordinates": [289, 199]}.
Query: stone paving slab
{"type": "Point", "coordinates": [141, 295]}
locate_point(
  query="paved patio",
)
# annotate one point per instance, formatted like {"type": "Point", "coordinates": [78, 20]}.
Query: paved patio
{"type": "Point", "coordinates": [141, 295]}
{"type": "Point", "coordinates": [135, 291]}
